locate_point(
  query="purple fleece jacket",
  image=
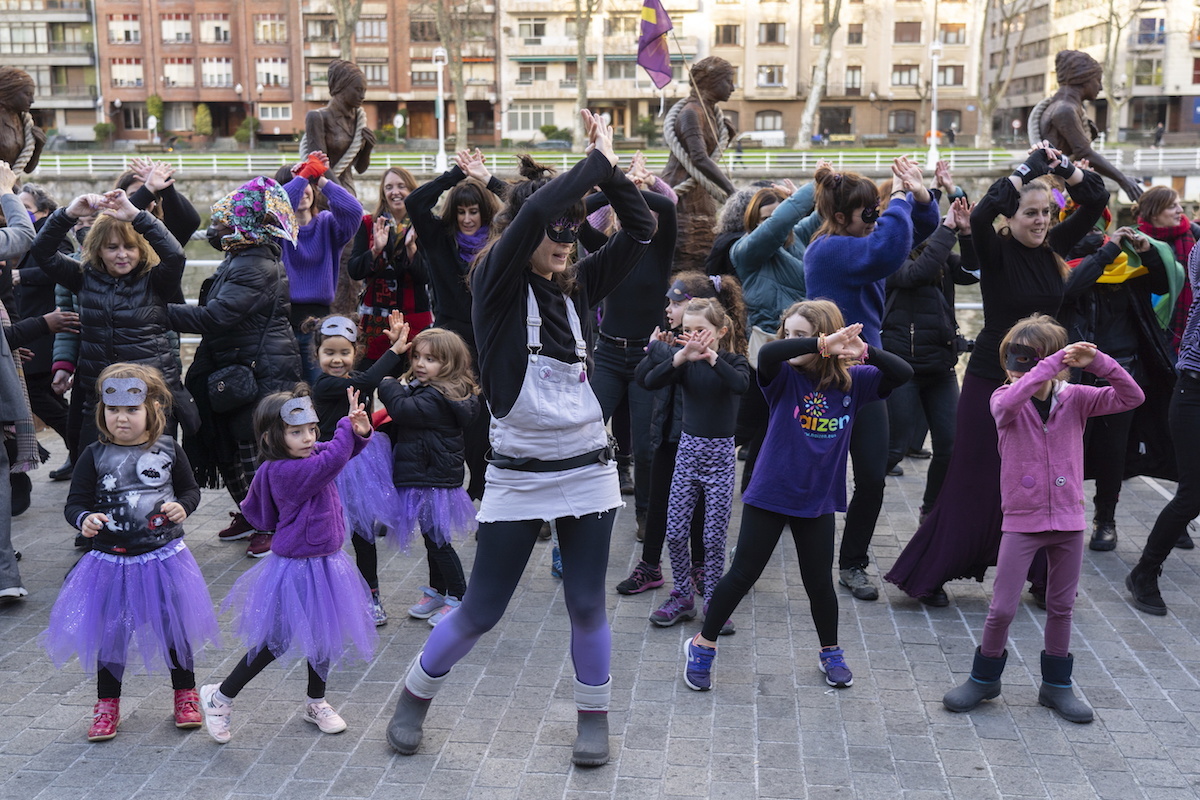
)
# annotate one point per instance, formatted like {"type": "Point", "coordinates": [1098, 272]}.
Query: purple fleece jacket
{"type": "Point", "coordinates": [1041, 464]}
{"type": "Point", "coordinates": [298, 499]}
{"type": "Point", "coordinates": [313, 262]}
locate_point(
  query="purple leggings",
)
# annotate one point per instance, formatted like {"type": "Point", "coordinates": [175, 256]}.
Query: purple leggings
{"type": "Point", "coordinates": [1064, 556]}
{"type": "Point", "coordinates": [500, 559]}
{"type": "Point", "coordinates": [703, 468]}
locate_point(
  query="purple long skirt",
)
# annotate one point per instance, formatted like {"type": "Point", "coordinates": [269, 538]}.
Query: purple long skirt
{"type": "Point", "coordinates": [121, 609]}
{"type": "Point", "coordinates": [961, 535]}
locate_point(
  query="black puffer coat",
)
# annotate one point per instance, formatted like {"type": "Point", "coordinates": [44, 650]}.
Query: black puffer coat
{"type": "Point", "coordinates": [428, 447]}
{"type": "Point", "coordinates": [121, 318]}
{"type": "Point", "coordinates": [919, 324]}
{"type": "Point", "coordinates": [247, 296]}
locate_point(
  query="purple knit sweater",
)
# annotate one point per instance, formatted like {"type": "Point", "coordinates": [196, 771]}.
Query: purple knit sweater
{"type": "Point", "coordinates": [298, 499]}
{"type": "Point", "coordinates": [313, 262]}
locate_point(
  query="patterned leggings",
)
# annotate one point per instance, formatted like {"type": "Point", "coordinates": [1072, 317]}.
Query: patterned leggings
{"type": "Point", "coordinates": [702, 466]}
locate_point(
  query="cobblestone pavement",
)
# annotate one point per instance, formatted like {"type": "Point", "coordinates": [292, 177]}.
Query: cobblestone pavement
{"type": "Point", "coordinates": [503, 725]}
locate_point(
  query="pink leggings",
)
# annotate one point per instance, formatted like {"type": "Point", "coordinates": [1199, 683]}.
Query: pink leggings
{"type": "Point", "coordinates": [1064, 556]}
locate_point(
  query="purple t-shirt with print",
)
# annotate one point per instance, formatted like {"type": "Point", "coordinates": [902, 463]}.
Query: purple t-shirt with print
{"type": "Point", "coordinates": [801, 470]}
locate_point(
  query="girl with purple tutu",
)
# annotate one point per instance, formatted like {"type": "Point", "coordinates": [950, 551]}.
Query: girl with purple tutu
{"type": "Point", "coordinates": [139, 584]}
{"type": "Point", "coordinates": [430, 410]}
{"type": "Point", "coordinates": [365, 485]}
{"type": "Point", "coordinates": [306, 598]}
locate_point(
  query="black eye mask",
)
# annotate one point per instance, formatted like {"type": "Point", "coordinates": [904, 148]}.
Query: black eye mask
{"type": "Point", "coordinates": [563, 231]}
{"type": "Point", "coordinates": [870, 215]}
{"type": "Point", "coordinates": [1021, 358]}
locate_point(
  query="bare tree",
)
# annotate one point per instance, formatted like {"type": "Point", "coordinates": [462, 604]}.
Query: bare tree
{"type": "Point", "coordinates": [457, 22]}
{"type": "Point", "coordinates": [1008, 19]}
{"type": "Point", "coordinates": [585, 10]}
{"type": "Point", "coordinates": [346, 12]}
{"type": "Point", "coordinates": [831, 14]}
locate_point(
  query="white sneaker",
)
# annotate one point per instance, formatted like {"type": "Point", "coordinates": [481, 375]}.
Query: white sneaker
{"type": "Point", "coordinates": [324, 717]}
{"type": "Point", "coordinates": [14, 592]}
{"type": "Point", "coordinates": [216, 713]}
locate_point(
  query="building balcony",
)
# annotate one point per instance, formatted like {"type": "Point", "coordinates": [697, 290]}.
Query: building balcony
{"type": "Point", "coordinates": [548, 46]}
{"type": "Point", "coordinates": [482, 48]}
{"type": "Point", "coordinates": [321, 49]}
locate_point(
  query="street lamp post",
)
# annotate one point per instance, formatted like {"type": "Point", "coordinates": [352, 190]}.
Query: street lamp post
{"type": "Point", "coordinates": [935, 53]}
{"type": "Point", "coordinates": [440, 59]}
{"type": "Point", "coordinates": [253, 116]}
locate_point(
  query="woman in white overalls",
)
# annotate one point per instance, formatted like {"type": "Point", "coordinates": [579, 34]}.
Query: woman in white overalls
{"type": "Point", "coordinates": [550, 457]}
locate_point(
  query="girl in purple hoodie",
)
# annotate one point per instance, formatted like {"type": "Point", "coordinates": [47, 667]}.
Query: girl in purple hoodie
{"type": "Point", "coordinates": [1040, 422]}
{"type": "Point", "coordinates": [308, 598]}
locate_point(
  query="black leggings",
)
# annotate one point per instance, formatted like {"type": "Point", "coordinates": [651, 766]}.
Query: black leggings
{"type": "Point", "coordinates": [366, 556]}
{"type": "Point", "coordinates": [869, 456]}
{"type": "Point", "coordinates": [109, 676]}
{"type": "Point", "coordinates": [246, 669]}
{"type": "Point", "coordinates": [756, 542]}
{"type": "Point", "coordinates": [662, 468]}
{"type": "Point", "coordinates": [445, 569]}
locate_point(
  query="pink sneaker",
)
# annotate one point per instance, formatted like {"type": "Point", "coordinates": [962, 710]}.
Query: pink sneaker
{"type": "Point", "coordinates": [187, 709]}
{"type": "Point", "coordinates": [106, 716]}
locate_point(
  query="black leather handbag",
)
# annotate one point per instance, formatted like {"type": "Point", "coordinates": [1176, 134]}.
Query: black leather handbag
{"type": "Point", "coordinates": [234, 386]}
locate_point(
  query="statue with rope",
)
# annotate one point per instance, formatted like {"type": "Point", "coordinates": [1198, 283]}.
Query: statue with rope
{"type": "Point", "coordinates": [340, 129]}
{"type": "Point", "coordinates": [21, 141]}
{"type": "Point", "coordinates": [697, 133]}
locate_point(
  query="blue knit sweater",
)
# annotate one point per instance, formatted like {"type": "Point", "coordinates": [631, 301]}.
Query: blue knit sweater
{"type": "Point", "coordinates": [313, 263]}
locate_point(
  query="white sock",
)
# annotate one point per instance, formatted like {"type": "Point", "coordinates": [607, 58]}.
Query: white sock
{"type": "Point", "coordinates": [593, 698]}
{"type": "Point", "coordinates": [420, 683]}
{"type": "Point", "coordinates": [312, 701]}
{"type": "Point", "coordinates": [222, 698]}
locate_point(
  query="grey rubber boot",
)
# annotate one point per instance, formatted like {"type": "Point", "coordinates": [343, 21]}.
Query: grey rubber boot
{"type": "Point", "coordinates": [1056, 692]}
{"type": "Point", "coordinates": [404, 731]}
{"type": "Point", "coordinates": [591, 736]}
{"type": "Point", "coordinates": [983, 684]}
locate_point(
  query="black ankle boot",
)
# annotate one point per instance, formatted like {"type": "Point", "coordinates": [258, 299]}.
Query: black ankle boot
{"type": "Point", "coordinates": [1142, 583]}
{"type": "Point", "coordinates": [1104, 530]}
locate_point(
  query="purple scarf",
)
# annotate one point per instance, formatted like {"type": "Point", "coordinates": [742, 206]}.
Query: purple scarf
{"type": "Point", "coordinates": [470, 243]}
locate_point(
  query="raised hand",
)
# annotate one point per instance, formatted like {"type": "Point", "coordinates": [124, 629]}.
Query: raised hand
{"type": "Point", "coordinates": [8, 178]}
{"type": "Point", "coordinates": [662, 336]}
{"type": "Point", "coordinates": [397, 333]}
{"type": "Point", "coordinates": [1079, 354]}
{"type": "Point", "coordinates": [962, 211]}
{"type": "Point", "coordinates": [358, 413]}
{"type": "Point", "coordinates": [86, 205]}
{"type": "Point", "coordinates": [942, 177]}
{"type": "Point", "coordinates": [160, 176]}
{"type": "Point", "coordinates": [142, 167]}
{"type": "Point", "coordinates": [476, 166]}
{"type": "Point", "coordinates": [599, 135]}
{"type": "Point", "coordinates": [380, 232]}
{"type": "Point", "coordinates": [908, 174]}
{"type": "Point", "coordinates": [116, 204]}
{"type": "Point", "coordinates": [846, 343]}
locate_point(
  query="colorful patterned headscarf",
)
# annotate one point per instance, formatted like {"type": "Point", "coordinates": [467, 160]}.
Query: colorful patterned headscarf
{"type": "Point", "coordinates": [258, 211]}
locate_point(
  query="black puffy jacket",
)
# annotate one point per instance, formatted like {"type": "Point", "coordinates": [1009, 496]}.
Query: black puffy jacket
{"type": "Point", "coordinates": [919, 324]}
{"type": "Point", "coordinates": [246, 303]}
{"type": "Point", "coordinates": [428, 447]}
{"type": "Point", "coordinates": [120, 318]}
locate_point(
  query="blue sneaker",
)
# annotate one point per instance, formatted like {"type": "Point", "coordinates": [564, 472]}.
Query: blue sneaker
{"type": "Point", "coordinates": [697, 670]}
{"type": "Point", "coordinates": [833, 664]}
{"type": "Point", "coordinates": [555, 563]}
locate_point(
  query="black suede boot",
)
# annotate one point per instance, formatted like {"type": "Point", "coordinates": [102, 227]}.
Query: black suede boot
{"type": "Point", "coordinates": [1104, 527]}
{"type": "Point", "coordinates": [1056, 692]}
{"type": "Point", "coordinates": [983, 684]}
{"type": "Point", "coordinates": [1142, 583]}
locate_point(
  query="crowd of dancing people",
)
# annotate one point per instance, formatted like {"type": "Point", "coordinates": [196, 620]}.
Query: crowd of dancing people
{"type": "Point", "coordinates": [525, 354]}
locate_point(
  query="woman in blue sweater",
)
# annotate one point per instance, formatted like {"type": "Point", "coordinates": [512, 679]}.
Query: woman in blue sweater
{"type": "Point", "coordinates": [848, 261]}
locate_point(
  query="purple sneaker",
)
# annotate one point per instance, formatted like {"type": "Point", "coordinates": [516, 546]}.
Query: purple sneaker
{"type": "Point", "coordinates": [697, 670]}
{"type": "Point", "coordinates": [833, 664]}
{"type": "Point", "coordinates": [644, 578]}
{"type": "Point", "coordinates": [672, 611]}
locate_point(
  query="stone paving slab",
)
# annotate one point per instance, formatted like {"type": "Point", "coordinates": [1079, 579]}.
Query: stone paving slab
{"type": "Point", "coordinates": [503, 725]}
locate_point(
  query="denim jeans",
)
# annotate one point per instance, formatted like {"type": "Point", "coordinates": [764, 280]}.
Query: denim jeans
{"type": "Point", "coordinates": [1184, 421]}
{"type": "Point", "coordinates": [612, 378]}
{"type": "Point", "coordinates": [937, 394]}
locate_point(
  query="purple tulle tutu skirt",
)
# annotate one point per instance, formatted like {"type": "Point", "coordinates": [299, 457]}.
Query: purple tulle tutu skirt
{"type": "Point", "coordinates": [318, 609]}
{"type": "Point", "coordinates": [441, 513]}
{"type": "Point", "coordinates": [120, 609]}
{"type": "Point", "coordinates": [365, 487]}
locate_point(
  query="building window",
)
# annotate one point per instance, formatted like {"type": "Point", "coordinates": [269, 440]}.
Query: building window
{"type": "Point", "coordinates": [372, 30]}
{"type": "Point", "coordinates": [905, 74]}
{"type": "Point", "coordinates": [124, 29]}
{"type": "Point", "coordinates": [214, 28]}
{"type": "Point", "coordinates": [376, 74]}
{"type": "Point", "coordinates": [854, 33]}
{"type": "Point", "coordinates": [18, 38]}
{"type": "Point", "coordinates": [423, 30]}
{"type": "Point", "coordinates": [534, 71]}
{"type": "Point", "coordinates": [818, 36]}
{"type": "Point", "coordinates": [320, 30]}
{"type": "Point", "coordinates": [216, 72]}
{"type": "Point", "coordinates": [853, 81]}
{"type": "Point", "coordinates": [1196, 70]}
{"type": "Point", "coordinates": [571, 72]}
{"type": "Point", "coordinates": [318, 73]}
{"type": "Point", "coordinates": [126, 71]}
{"type": "Point", "coordinates": [134, 116]}
{"type": "Point", "coordinates": [620, 70]}
{"type": "Point", "coordinates": [1147, 72]}
{"type": "Point", "coordinates": [270, 29]}
{"type": "Point", "coordinates": [952, 33]}
{"type": "Point", "coordinates": [902, 121]}
{"type": "Point", "coordinates": [178, 117]}
{"type": "Point", "coordinates": [770, 75]}
{"type": "Point", "coordinates": [768, 121]}
{"type": "Point", "coordinates": [424, 78]}
{"type": "Point", "coordinates": [729, 34]}
{"type": "Point", "coordinates": [950, 74]}
{"type": "Point", "coordinates": [531, 29]}
{"type": "Point", "coordinates": [274, 111]}
{"type": "Point", "coordinates": [530, 116]}
{"type": "Point", "coordinates": [176, 28]}
{"type": "Point", "coordinates": [772, 33]}
{"type": "Point", "coordinates": [179, 72]}
{"type": "Point", "coordinates": [271, 71]}
{"type": "Point", "coordinates": [1151, 31]}
{"type": "Point", "coordinates": [907, 33]}
{"type": "Point", "coordinates": [622, 26]}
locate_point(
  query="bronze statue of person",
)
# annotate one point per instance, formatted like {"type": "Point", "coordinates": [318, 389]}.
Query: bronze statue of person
{"type": "Point", "coordinates": [340, 128]}
{"type": "Point", "coordinates": [1060, 119]}
{"type": "Point", "coordinates": [21, 141]}
{"type": "Point", "coordinates": [696, 133]}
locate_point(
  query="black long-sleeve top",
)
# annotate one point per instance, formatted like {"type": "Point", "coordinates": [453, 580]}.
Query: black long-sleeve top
{"type": "Point", "coordinates": [1015, 280]}
{"type": "Point", "coordinates": [635, 307]}
{"type": "Point", "coordinates": [447, 271]}
{"type": "Point", "coordinates": [774, 356]}
{"type": "Point", "coordinates": [711, 393]}
{"type": "Point", "coordinates": [329, 391]}
{"type": "Point", "coordinates": [392, 265]}
{"type": "Point", "coordinates": [178, 215]}
{"type": "Point", "coordinates": [500, 280]}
